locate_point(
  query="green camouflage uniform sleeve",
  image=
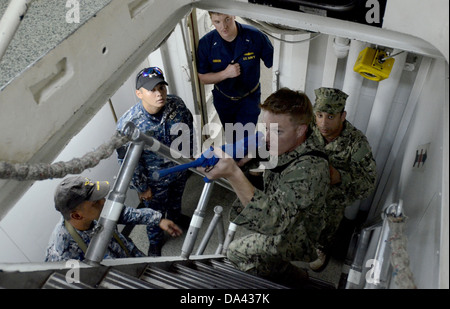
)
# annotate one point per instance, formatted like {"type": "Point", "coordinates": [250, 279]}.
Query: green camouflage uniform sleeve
{"type": "Point", "coordinates": [288, 198]}
{"type": "Point", "coordinates": [359, 180]}
{"type": "Point", "coordinates": [352, 156]}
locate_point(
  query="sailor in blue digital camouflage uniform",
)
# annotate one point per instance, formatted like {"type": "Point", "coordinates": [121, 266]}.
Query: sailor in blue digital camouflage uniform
{"type": "Point", "coordinates": [165, 118]}
{"type": "Point", "coordinates": [287, 215]}
{"type": "Point", "coordinates": [352, 166]}
{"type": "Point", "coordinates": [229, 57]}
{"type": "Point", "coordinates": [80, 201]}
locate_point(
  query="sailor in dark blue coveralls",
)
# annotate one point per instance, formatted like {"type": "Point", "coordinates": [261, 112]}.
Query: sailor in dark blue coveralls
{"type": "Point", "coordinates": [229, 57]}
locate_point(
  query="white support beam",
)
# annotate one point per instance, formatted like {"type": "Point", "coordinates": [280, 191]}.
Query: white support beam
{"type": "Point", "coordinates": [293, 62]}
{"type": "Point", "coordinates": [331, 26]}
{"type": "Point", "coordinates": [52, 96]}
{"type": "Point", "coordinates": [330, 65]}
{"type": "Point", "coordinates": [444, 247]}
{"type": "Point", "coordinates": [383, 102]}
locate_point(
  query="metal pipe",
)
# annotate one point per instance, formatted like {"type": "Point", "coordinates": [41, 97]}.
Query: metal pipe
{"type": "Point", "coordinates": [395, 210]}
{"type": "Point", "coordinates": [109, 216]}
{"type": "Point", "coordinates": [382, 265]}
{"type": "Point", "coordinates": [10, 22]}
{"type": "Point", "coordinates": [277, 78]}
{"type": "Point", "coordinates": [220, 237]}
{"type": "Point", "coordinates": [196, 221]}
{"type": "Point", "coordinates": [341, 47]}
{"type": "Point", "coordinates": [229, 238]}
{"type": "Point", "coordinates": [357, 267]}
{"type": "Point", "coordinates": [378, 276]}
{"type": "Point", "coordinates": [134, 134]}
{"type": "Point", "coordinates": [391, 56]}
{"type": "Point", "coordinates": [154, 145]}
{"type": "Point", "coordinates": [330, 64]}
{"type": "Point", "coordinates": [212, 225]}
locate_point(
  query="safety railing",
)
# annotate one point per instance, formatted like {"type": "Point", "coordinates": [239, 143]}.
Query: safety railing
{"type": "Point", "coordinates": [115, 201]}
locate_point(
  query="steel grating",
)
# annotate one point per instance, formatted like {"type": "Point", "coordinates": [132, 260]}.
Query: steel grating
{"type": "Point", "coordinates": [59, 281]}
{"type": "Point", "coordinates": [208, 273]}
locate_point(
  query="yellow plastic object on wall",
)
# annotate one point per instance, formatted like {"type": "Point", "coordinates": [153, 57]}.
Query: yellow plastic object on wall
{"type": "Point", "coordinates": [370, 64]}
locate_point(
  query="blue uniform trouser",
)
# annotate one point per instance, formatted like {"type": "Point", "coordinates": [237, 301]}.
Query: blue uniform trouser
{"type": "Point", "coordinates": [245, 110]}
{"type": "Point", "coordinates": [166, 199]}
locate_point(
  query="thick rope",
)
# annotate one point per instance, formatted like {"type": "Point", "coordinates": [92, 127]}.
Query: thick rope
{"type": "Point", "coordinates": [403, 277]}
{"type": "Point", "coordinates": [41, 171]}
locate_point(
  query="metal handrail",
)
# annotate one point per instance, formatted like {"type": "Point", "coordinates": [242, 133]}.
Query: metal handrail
{"type": "Point", "coordinates": [378, 258]}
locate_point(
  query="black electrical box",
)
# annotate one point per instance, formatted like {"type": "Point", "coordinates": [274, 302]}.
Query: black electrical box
{"type": "Point", "coordinates": [369, 12]}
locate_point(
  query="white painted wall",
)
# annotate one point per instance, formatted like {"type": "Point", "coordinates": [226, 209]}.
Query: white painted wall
{"type": "Point", "coordinates": [421, 188]}
{"type": "Point", "coordinates": [26, 229]}
{"type": "Point", "coordinates": [76, 77]}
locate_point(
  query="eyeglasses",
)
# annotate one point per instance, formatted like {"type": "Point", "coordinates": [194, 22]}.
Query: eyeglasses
{"type": "Point", "coordinates": [152, 71]}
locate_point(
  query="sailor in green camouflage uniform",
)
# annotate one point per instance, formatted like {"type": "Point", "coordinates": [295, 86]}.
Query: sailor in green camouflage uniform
{"type": "Point", "coordinates": [352, 166]}
{"type": "Point", "coordinates": [288, 215]}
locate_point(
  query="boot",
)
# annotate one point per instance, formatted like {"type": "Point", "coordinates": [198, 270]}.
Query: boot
{"type": "Point", "coordinates": [321, 262]}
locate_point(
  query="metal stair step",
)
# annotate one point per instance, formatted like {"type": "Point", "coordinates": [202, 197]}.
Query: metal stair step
{"type": "Point", "coordinates": [115, 279]}
{"type": "Point", "coordinates": [226, 266]}
{"type": "Point", "coordinates": [224, 277]}
{"type": "Point", "coordinates": [225, 271]}
{"type": "Point", "coordinates": [59, 281]}
{"type": "Point", "coordinates": [205, 277]}
{"type": "Point", "coordinates": [167, 280]}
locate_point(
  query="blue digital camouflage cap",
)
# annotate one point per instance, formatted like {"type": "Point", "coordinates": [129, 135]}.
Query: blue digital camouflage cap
{"type": "Point", "coordinates": [74, 190]}
{"type": "Point", "coordinates": [330, 100]}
